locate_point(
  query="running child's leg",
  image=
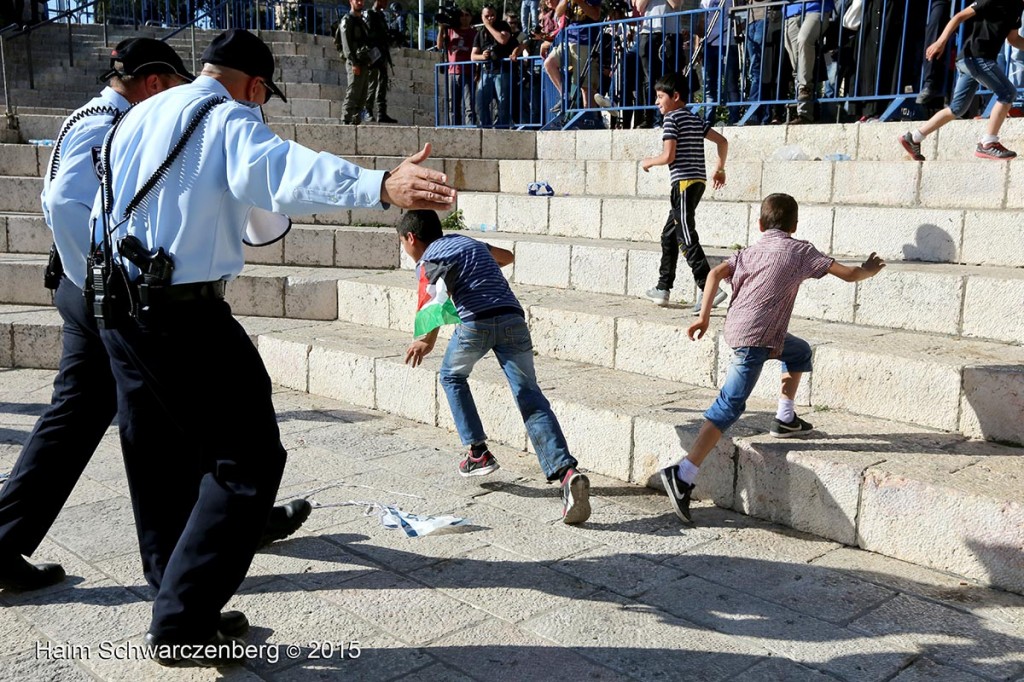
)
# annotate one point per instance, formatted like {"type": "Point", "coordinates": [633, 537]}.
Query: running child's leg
{"type": "Point", "coordinates": [796, 359]}
{"type": "Point", "coordinates": [468, 344]}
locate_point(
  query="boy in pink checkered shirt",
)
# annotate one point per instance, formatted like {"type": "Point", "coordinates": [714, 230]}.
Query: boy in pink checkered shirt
{"type": "Point", "coordinates": [765, 279]}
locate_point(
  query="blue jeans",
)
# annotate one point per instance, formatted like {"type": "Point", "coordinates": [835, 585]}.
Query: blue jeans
{"type": "Point", "coordinates": [493, 86]}
{"type": "Point", "coordinates": [744, 371]}
{"type": "Point", "coordinates": [754, 46]}
{"type": "Point", "coordinates": [509, 338]}
{"type": "Point", "coordinates": [976, 71]}
{"type": "Point", "coordinates": [528, 14]}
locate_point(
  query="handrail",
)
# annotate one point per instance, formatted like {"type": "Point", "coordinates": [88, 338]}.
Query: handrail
{"type": "Point", "coordinates": [71, 11]}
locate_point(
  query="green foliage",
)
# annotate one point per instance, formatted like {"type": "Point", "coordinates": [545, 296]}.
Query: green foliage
{"type": "Point", "coordinates": [453, 221]}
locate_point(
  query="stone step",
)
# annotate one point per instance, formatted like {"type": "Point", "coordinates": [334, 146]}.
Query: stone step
{"type": "Point", "coordinates": [333, 245]}
{"type": "Point", "coordinates": [898, 490]}
{"type": "Point", "coordinates": [974, 236]}
{"type": "Point", "coordinates": [960, 385]}
{"type": "Point", "coordinates": [964, 385]}
{"type": "Point", "coordinates": [401, 141]}
{"type": "Point", "coordinates": [302, 293]}
{"type": "Point", "coordinates": [910, 493]}
{"type": "Point", "coordinates": [364, 140]}
{"type": "Point", "coordinates": [891, 183]}
{"type": "Point", "coordinates": [861, 142]}
{"type": "Point", "coordinates": [23, 160]}
{"type": "Point", "coordinates": [949, 300]}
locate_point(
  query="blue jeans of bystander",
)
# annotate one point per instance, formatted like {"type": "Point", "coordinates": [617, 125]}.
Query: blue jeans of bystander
{"type": "Point", "coordinates": [494, 83]}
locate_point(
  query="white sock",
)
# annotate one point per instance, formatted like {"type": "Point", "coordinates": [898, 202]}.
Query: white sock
{"type": "Point", "coordinates": [688, 471]}
{"type": "Point", "coordinates": [917, 136]}
{"type": "Point", "coordinates": [989, 139]}
{"type": "Point", "coordinates": [786, 413]}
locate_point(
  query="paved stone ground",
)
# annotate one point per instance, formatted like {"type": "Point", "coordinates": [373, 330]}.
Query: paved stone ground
{"type": "Point", "coordinates": [514, 596]}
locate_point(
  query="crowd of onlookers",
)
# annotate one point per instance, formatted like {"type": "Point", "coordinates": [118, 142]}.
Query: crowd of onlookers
{"type": "Point", "coordinates": [799, 60]}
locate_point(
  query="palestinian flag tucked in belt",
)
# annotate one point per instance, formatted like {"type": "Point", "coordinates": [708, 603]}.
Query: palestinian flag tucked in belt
{"type": "Point", "coordinates": [434, 307]}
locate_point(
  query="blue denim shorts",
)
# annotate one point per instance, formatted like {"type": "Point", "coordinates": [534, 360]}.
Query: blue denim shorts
{"type": "Point", "coordinates": [745, 369]}
{"type": "Point", "coordinates": [976, 71]}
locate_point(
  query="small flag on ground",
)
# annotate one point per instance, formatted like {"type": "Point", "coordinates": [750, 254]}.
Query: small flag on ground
{"type": "Point", "coordinates": [434, 307]}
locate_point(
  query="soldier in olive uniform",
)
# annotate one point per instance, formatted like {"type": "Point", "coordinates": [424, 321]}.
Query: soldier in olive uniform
{"type": "Point", "coordinates": [355, 42]}
{"type": "Point", "coordinates": [377, 100]}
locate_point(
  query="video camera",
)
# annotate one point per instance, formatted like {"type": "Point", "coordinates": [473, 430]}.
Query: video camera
{"type": "Point", "coordinates": [448, 13]}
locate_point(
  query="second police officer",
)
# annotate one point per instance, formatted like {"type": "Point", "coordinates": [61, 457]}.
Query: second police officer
{"type": "Point", "coordinates": [188, 175]}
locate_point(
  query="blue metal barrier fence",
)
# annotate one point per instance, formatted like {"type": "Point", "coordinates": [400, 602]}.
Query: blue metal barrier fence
{"type": "Point", "coordinates": [746, 63]}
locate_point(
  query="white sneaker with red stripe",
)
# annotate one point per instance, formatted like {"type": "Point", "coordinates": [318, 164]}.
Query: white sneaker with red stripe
{"type": "Point", "coordinates": [575, 497]}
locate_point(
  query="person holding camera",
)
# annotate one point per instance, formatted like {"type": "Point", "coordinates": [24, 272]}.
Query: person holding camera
{"type": "Point", "coordinates": [494, 44]}
{"type": "Point", "coordinates": [457, 42]}
{"type": "Point", "coordinates": [355, 49]}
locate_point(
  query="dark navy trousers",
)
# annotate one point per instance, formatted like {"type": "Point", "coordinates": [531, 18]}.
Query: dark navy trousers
{"type": "Point", "coordinates": [210, 382]}
{"type": "Point", "coordinates": [64, 438]}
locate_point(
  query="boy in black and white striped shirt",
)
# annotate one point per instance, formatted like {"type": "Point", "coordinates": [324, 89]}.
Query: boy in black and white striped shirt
{"type": "Point", "coordinates": [683, 135]}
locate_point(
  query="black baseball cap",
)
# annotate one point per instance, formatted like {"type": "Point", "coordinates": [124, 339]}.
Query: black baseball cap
{"type": "Point", "coordinates": [238, 49]}
{"type": "Point", "coordinates": [142, 57]}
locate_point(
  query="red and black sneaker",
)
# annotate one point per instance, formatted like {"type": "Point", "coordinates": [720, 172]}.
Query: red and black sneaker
{"type": "Point", "coordinates": [913, 148]}
{"type": "Point", "coordinates": [478, 465]}
{"type": "Point", "coordinates": [994, 150]}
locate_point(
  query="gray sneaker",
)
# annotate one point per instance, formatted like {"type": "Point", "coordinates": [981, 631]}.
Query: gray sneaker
{"type": "Point", "coordinates": [913, 148]}
{"type": "Point", "coordinates": [994, 150]}
{"type": "Point", "coordinates": [720, 296]}
{"type": "Point", "coordinates": [659, 296]}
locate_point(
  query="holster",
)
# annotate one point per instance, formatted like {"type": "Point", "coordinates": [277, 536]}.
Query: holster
{"type": "Point", "coordinates": [54, 270]}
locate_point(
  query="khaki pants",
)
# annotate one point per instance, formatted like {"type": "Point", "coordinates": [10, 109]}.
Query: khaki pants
{"type": "Point", "coordinates": [355, 95]}
{"type": "Point", "coordinates": [377, 99]}
{"type": "Point", "coordinates": [577, 56]}
{"type": "Point", "coordinates": [802, 34]}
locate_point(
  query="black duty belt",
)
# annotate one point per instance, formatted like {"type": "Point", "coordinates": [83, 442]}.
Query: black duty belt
{"type": "Point", "coordinates": [198, 291]}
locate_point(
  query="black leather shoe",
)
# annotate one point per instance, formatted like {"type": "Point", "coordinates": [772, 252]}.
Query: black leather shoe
{"type": "Point", "coordinates": [285, 520]}
{"type": "Point", "coordinates": [384, 118]}
{"type": "Point", "coordinates": [233, 624]}
{"type": "Point", "coordinates": [215, 652]}
{"type": "Point", "coordinates": [18, 574]}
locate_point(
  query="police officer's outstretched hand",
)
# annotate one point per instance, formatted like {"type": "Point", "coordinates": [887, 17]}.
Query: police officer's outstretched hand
{"type": "Point", "coordinates": [410, 185]}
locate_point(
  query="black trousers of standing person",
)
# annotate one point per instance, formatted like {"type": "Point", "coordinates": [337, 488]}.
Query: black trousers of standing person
{"type": "Point", "coordinates": [67, 434]}
{"type": "Point", "coordinates": [650, 71]}
{"type": "Point", "coordinates": [935, 72]}
{"type": "Point", "coordinates": [680, 233]}
{"type": "Point", "coordinates": [209, 381]}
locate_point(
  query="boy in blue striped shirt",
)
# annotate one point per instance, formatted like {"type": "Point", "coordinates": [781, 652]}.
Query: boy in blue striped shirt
{"type": "Point", "coordinates": [683, 136]}
{"type": "Point", "coordinates": [492, 319]}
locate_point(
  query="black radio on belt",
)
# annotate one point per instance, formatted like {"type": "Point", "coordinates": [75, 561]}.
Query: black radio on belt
{"type": "Point", "coordinates": [106, 290]}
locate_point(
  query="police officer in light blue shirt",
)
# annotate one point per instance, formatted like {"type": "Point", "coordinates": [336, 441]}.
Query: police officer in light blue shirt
{"type": "Point", "coordinates": [176, 225]}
